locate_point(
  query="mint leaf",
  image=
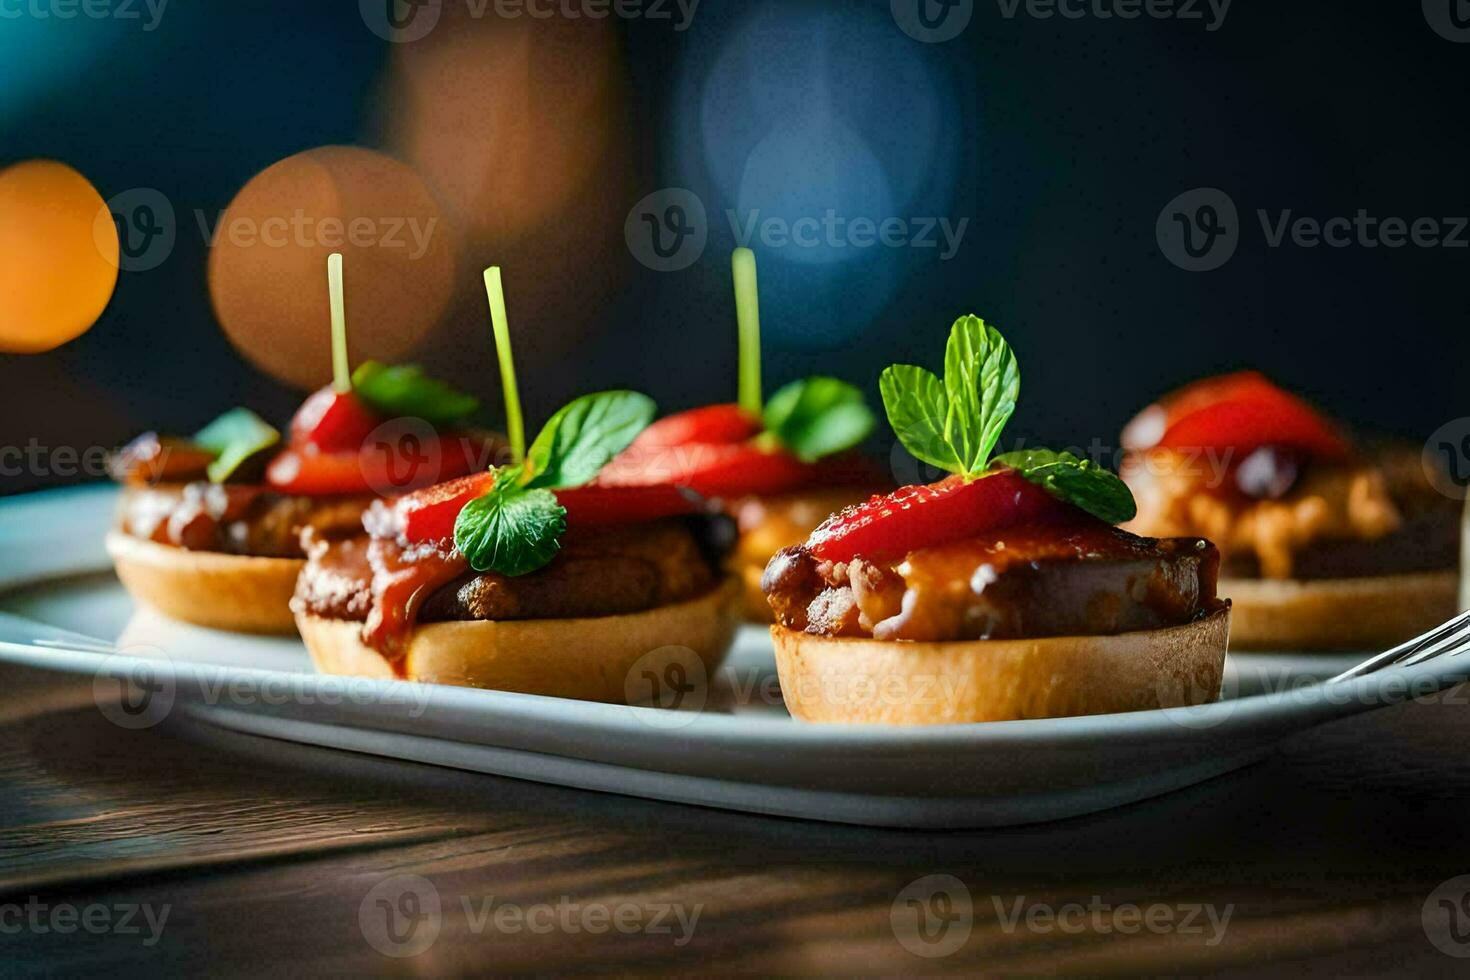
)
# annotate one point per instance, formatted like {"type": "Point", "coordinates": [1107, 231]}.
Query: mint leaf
{"type": "Point", "coordinates": [956, 424]}
{"type": "Point", "coordinates": [982, 382]}
{"type": "Point", "coordinates": [513, 530]}
{"type": "Point", "coordinates": [917, 407]}
{"type": "Point", "coordinates": [581, 438]}
{"type": "Point", "coordinates": [234, 438]}
{"type": "Point", "coordinates": [516, 527]}
{"type": "Point", "coordinates": [1079, 482]}
{"type": "Point", "coordinates": [817, 417]}
{"type": "Point", "coordinates": [405, 391]}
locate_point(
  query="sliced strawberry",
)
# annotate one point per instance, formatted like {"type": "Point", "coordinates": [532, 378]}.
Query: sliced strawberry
{"type": "Point", "coordinates": [1147, 427]}
{"type": "Point", "coordinates": [1213, 391]}
{"type": "Point", "coordinates": [429, 514]}
{"type": "Point", "coordinates": [1264, 417]}
{"type": "Point", "coordinates": [1241, 412]}
{"type": "Point", "coordinates": [597, 506]}
{"type": "Point", "coordinates": [922, 516]}
{"type": "Point", "coordinates": [710, 424]}
{"type": "Point", "coordinates": [716, 471]}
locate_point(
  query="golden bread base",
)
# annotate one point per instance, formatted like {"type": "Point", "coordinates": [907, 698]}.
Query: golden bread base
{"type": "Point", "coordinates": [208, 588]}
{"type": "Point", "coordinates": [867, 681]}
{"type": "Point", "coordinates": [1372, 613]}
{"type": "Point", "coordinates": [586, 659]}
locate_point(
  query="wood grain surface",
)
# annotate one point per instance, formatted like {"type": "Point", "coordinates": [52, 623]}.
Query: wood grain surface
{"type": "Point", "coordinates": [265, 857]}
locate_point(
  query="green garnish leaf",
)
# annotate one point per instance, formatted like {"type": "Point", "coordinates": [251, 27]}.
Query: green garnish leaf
{"type": "Point", "coordinates": [582, 437]}
{"type": "Point", "coordinates": [516, 527]}
{"type": "Point", "coordinates": [955, 424]}
{"type": "Point", "coordinates": [1079, 482]}
{"type": "Point", "coordinates": [917, 407]}
{"type": "Point", "coordinates": [982, 381]}
{"type": "Point", "coordinates": [513, 530]}
{"type": "Point", "coordinates": [817, 417]}
{"type": "Point", "coordinates": [234, 438]}
{"type": "Point", "coordinates": [405, 391]}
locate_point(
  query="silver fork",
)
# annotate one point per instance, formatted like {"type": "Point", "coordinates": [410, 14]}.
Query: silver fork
{"type": "Point", "coordinates": [1446, 639]}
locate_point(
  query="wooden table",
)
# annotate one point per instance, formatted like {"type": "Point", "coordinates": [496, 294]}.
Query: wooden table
{"type": "Point", "coordinates": [273, 858]}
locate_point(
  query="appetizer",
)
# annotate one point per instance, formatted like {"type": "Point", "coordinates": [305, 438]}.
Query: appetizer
{"type": "Point", "coordinates": [531, 577]}
{"type": "Point", "coordinates": [1326, 544]}
{"type": "Point", "coordinates": [210, 528]}
{"type": "Point", "coordinates": [778, 466]}
{"type": "Point", "coordinates": [1002, 592]}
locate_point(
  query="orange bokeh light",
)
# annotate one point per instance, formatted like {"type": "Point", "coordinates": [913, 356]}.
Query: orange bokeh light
{"type": "Point", "coordinates": [267, 267]}
{"type": "Point", "coordinates": [508, 118]}
{"type": "Point", "coordinates": [522, 129]}
{"type": "Point", "coordinates": [58, 256]}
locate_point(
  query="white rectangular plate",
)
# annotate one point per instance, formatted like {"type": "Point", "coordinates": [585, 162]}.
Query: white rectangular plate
{"type": "Point", "coordinates": [61, 610]}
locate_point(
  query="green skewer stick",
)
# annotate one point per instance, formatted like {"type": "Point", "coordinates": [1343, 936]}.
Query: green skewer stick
{"type": "Point", "coordinates": [748, 313]}
{"type": "Point", "coordinates": [501, 323]}
{"type": "Point", "coordinates": [341, 368]}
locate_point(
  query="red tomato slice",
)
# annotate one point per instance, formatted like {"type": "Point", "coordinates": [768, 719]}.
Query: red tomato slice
{"type": "Point", "coordinates": [923, 516]}
{"type": "Point", "coordinates": [711, 424]}
{"type": "Point", "coordinates": [309, 471]}
{"type": "Point", "coordinates": [333, 420]}
{"type": "Point", "coordinates": [598, 506]}
{"type": "Point", "coordinates": [1241, 412]}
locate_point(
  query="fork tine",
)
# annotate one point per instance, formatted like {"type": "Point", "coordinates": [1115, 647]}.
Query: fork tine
{"type": "Point", "coordinates": [1450, 644]}
{"type": "Point", "coordinates": [1419, 644]}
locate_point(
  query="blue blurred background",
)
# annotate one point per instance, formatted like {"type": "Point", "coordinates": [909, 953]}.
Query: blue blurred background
{"type": "Point", "coordinates": [1041, 151]}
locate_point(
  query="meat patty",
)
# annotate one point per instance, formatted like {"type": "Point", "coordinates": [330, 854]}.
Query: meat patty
{"type": "Point", "coordinates": [603, 571]}
{"type": "Point", "coordinates": [1029, 581]}
{"type": "Point", "coordinates": [1427, 542]}
{"type": "Point", "coordinates": [235, 519]}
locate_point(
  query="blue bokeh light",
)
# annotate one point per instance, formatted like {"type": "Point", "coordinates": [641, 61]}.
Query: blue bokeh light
{"type": "Point", "coordinates": [800, 123]}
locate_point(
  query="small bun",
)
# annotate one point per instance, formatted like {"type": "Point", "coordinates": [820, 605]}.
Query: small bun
{"type": "Point", "coordinates": [586, 659]}
{"type": "Point", "coordinates": [860, 680]}
{"type": "Point", "coordinates": [208, 588]}
{"type": "Point", "coordinates": [1349, 614]}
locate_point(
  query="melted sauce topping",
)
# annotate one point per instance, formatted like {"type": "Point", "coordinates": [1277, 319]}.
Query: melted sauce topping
{"type": "Point", "coordinates": [1181, 493]}
{"type": "Point", "coordinates": [1024, 581]}
{"type": "Point", "coordinates": [403, 578]}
